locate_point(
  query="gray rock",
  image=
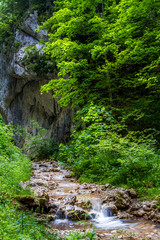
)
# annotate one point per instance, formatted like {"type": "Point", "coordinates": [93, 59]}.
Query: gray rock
{"type": "Point", "coordinates": [109, 209]}
{"type": "Point", "coordinates": [38, 182]}
{"type": "Point", "coordinates": [61, 213]}
{"type": "Point", "coordinates": [135, 207]}
{"type": "Point", "coordinates": [70, 200]}
{"type": "Point", "coordinates": [125, 216]}
{"type": "Point", "coordinates": [51, 217]}
{"type": "Point", "coordinates": [78, 214]}
{"type": "Point", "coordinates": [20, 98]}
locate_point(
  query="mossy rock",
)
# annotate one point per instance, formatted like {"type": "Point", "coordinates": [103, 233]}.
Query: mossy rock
{"type": "Point", "coordinates": [28, 201]}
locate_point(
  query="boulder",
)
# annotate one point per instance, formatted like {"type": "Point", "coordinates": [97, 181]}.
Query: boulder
{"type": "Point", "coordinates": [124, 216]}
{"type": "Point", "coordinates": [38, 182]}
{"type": "Point", "coordinates": [109, 209]}
{"type": "Point", "coordinates": [51, 217]}
{"type": "Point", "coordinates": [44, 203]}
{"type": "Point", "coordinates": [70, 200]}
{"type": "Point", "coordinates": [84, 204]}
{"type": "Point", "coordinates": [28, 201]}
{"type": "Point", "coordinates": [78, 214]}
{"type": "Point", "coordinates": [61, 212]}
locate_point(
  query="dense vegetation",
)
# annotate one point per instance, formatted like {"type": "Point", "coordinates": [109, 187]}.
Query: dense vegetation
{"type": "Point", "coordinates": [13, 12]}
{"type": "Point", "coordinates": [107, 55]}
{"type": "Point", "coordinates": [14, 168]}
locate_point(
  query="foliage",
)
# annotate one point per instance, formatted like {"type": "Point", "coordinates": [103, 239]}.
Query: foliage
{"type": "Point", "coordinates": [12, 13]}
{"type": "Point", "coordinates": [16, 224]}
{"type": "Point", "coordinates": [104, 151]}
{"type": "Point", "coordinates": [106, 52]}
{"type": "Point", "coordinates": [77, 235]}
{"type": "Point", "coordinates": [39, 145]}
{"type": "Point", "coordinates": [14, 168]}
{"type": "Point", "coordinates": [19, 165]}
{"type": "Point", "coordinates": [36, 60]}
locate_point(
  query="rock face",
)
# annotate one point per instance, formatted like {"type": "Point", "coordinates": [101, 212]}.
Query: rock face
{"type": "Point", "coordinates": [20, 99]}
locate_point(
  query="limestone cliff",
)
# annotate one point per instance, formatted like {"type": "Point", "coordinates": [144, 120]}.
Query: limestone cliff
{"type": "Point", "coordinates": [20, 99]}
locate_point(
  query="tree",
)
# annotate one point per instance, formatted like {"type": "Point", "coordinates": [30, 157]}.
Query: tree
{"type": "Point", "coordinates": [107, 52]}
{"type": "Point", "coordinates": [73, 37]}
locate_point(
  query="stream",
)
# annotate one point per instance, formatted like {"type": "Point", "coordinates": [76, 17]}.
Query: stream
{"type": "Point", "coordinates": [71, 201]}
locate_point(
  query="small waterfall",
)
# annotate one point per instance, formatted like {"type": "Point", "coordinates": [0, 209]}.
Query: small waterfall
{"type": "Point", "coordinates": [103, 216]}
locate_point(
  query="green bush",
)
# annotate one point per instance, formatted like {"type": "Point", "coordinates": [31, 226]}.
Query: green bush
{"type": "Point", "coordinates": [14, 166]}
{"type": "Point", "coordinates": [103, 151]}
{"type": "Point", "coordinates": [18, 225]}
{"type": "Point", "coordinates": [40, 146]}
{"type": "Point", "coordinates": [77, 235]}
{"type": "Point", "coordinates": [36, 60]}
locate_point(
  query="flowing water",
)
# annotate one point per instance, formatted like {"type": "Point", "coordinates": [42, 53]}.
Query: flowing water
{"type": "Point", "coordinates": [58, 185]}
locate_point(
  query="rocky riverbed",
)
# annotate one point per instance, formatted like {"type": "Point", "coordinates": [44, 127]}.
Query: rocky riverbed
{"type": "Point", "coordinates": [116, 213]}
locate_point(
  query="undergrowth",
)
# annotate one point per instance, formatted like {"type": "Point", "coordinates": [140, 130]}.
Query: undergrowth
{"type": "Point", "coordinates": [102, 150]}
{"type": "Point", "coordinates": [16, 222]}
{"type": "Point", "coordinates": [39, 145]}
{"type": "Point", "coordinates": [15, 167]}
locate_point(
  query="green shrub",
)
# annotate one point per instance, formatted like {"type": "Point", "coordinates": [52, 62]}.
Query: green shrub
{"type": "Point", "coordinates": [39, 146]}
{"type": "Point", "coordinates": [103, 151]}
{"type": "Point", "coordinates": [14, 166]}
{"type": "Point", "coordinates": [36, 60]}
{"type": "Point", "coordinates": [18, 225]}
{"type": "Point", "coordinates": [77, 235]}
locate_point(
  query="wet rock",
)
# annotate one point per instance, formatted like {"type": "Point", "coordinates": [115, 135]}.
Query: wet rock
{"type": "Point", "coordinates": [93, 190]}
{"type": "Point", "coordinates": [132, 193]}
{"type": "Point", "coordinates": [28, 201]}
{"type": "Point", "coordinates": [109, 209]}
{"type": "Point", "coordinates": [70, 200]}
{"type": "Point", "coordinates": [124, 216]}
{"type": "Point", "coordinates": [139, 213]}
{"type": "Point", "coordinates": [78, 214]}
{"type": "Point", "coordinates": [152, 215]}
{"type": "Point", "coordinates": [38, 182]}
{"type": "Point", "coordinates": [44, 203]}
{"type": "Point", "coordinates": [148, 206]}
{"type": "Point", "coordinates": [51, 217]}
{"type": "Point", "coordinates": [69, 208]}
{"type": "Point", "coordinates": [71, 191]}
{"type": "Point", "coordinates": [53, 208]}
{"type": "Point", "coordinates": [54, 170]}
{"type": "Point", "coordinates": [158, 218]}
{"type": "Point", "coordinates": [68, 176]}
{"type": "Point", "coordinates": [135, 207]}
{"type": "Point", "coordinates": [105, 187]}
{"type": "Point", "coordinates": [51, 187]}
{"type": "Point", "coordinates": [93, 215]}
{"type": "Point", "coordinates": [52, 183]}
{"type": "Point", "coordinates": [72, 180]}
{"type": "Point", "coordinates": [85, 204]}
{"type": "Point", "coordinates": [84, 186]}
{"type": "Point", "coordinates": [122, 199]}
{"type": "Point", "coordinates": [61, 213]}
